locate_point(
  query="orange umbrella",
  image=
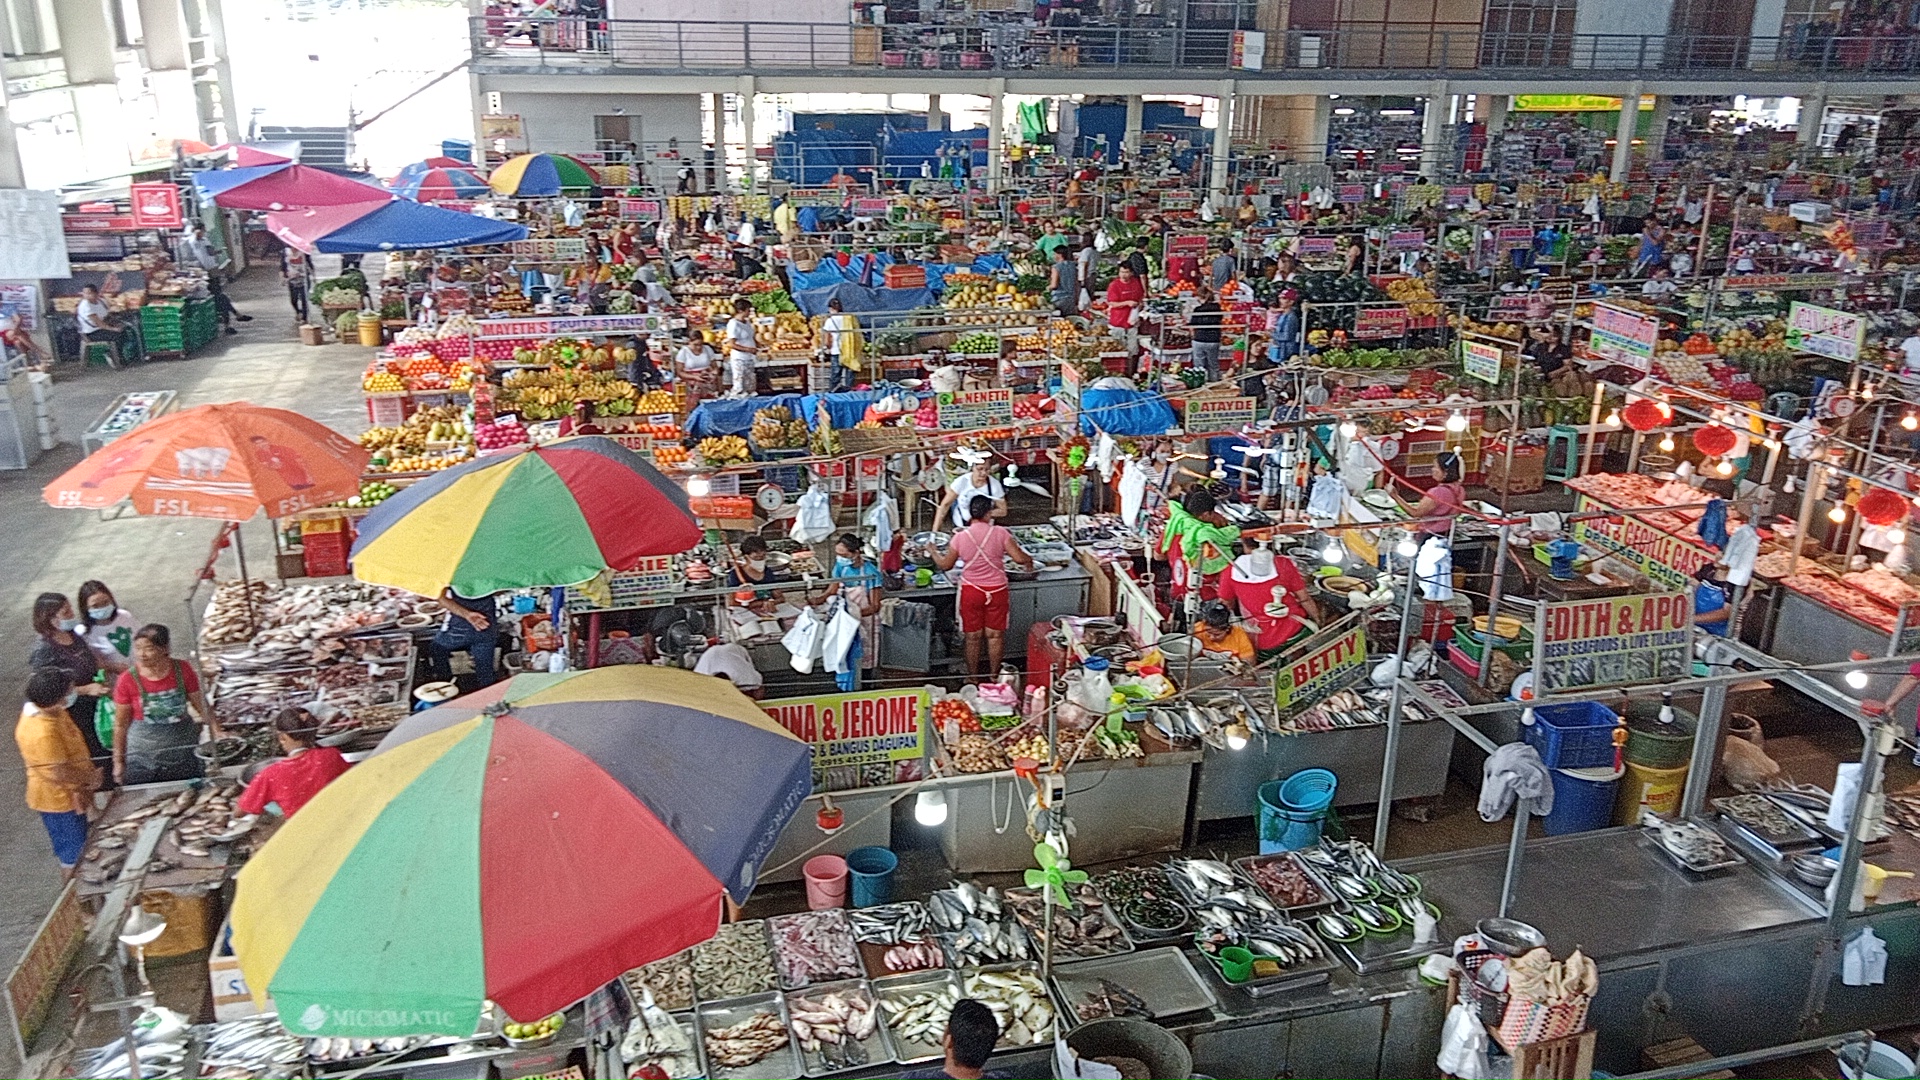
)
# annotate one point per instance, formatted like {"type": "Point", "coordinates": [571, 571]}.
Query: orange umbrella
{"type": "Point", "coordinates": [217, 461]}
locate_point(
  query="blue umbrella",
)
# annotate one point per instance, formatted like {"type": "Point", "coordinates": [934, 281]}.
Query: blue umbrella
{"type": "Point", "coordinates": [393, 225]}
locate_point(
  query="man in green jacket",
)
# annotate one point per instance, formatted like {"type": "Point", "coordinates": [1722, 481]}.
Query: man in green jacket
{"type": "Point", "coordinates": [1197, 536]}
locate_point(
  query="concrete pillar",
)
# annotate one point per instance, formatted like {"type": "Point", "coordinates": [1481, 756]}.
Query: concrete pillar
{"type": "Point", "coordinates": [1623, 134]}
{"type": "Point", "coordinates": [1136, 113]}
{"type": "Point", "coordinates": [164, 33]}
{"type": "Point", "coordinates": [746, 128]}
{"type": "Point", "coordinates": [11, 173]}
{"type": "Point", "coordinates": [996, 130]}
{"type": "Point", "coordinates": [1657, 127]}
{"type": "Point", "coordinates": [1222, 148]}
{"type": "Point", "coordinates": [1495, 107]}
{"type": "Point", "coordinates": [717, 139]}
{"type": "Point", "coordinates": [87, 40]}
{"type": "Point", "coordinates": [1813, 110]}
{"type": "Point", "coordinates": [222, 123]}
{"type": "Point", "coordinates": [1434, 152]}
{"type": "Point", "coordinates": [936, 119]}
{"type": "Point", "coordinates": [1313, 149]}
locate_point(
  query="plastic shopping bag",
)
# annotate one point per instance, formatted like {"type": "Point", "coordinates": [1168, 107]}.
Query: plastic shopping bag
{"type": "Point", "coordinates": [805, 640]}
{"type": "Point", "coordinates": [814, 521]}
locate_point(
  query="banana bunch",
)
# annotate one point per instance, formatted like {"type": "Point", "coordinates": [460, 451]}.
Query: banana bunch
{"type": "Point", "coordinates": [722, 449]}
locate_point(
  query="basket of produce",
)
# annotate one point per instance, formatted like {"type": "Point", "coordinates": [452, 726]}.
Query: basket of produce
{"type": "Point", "coordinates": [527, 1036]}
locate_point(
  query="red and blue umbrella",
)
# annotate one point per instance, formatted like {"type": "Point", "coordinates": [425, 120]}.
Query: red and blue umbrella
{"type": "Point", "coordinates": [282, 186]}
{"type": "Point", "coordinates": [389, 225]}
{"type": "Point", "coordinates": [439, 185]}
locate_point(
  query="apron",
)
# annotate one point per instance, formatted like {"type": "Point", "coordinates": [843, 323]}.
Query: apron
{"type": "Point", "coordinates": [161, 739]}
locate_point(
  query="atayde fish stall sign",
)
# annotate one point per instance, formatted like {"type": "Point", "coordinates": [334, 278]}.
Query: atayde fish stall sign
{"type": "Point", "coordinates": [863, 739]}
{"type": "Point", "coordinates": [1320, 672]}
{"type": "Point", "coordinates": [1613, 640]}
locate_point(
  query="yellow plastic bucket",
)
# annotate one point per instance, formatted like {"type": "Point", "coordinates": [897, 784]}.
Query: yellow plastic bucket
{"type": "Point", "coordinates": [1644, 788]}
{"type": "Point", "coordinates": [370, 331]}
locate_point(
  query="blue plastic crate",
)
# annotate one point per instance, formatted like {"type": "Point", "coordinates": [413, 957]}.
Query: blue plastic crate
{"type": "Point", "coordinates": [1576, 735]}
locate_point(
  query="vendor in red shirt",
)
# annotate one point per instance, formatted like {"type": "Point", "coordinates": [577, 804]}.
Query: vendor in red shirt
{"type": "Point", "coordinates": [288, 784]}
{"type": "Point", "coordinates": [1124, 293]}
{"type": "Point", "coordinates": [1249, 587]}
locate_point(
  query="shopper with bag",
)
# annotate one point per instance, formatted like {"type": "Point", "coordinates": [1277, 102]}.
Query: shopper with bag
{"type": "Point", "coordinates": [983, 604]}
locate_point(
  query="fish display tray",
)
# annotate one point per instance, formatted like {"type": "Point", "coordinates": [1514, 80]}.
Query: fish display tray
{"type": "Point", "coordinates": [1733, 858]}
{"type": "Point", "coordinates": [692, 1027]}
{"type": "Point", "coordinates": [873, 958]}
{"type": "Point", "coordinates": [1036, 940]}
{"type": "Point", "coordinates": [1028, 967]}
{"type": "Point", "coordinates": [1160, 977]}
{"type": "Point", "coordinates": [1387, 952]}
{"type": "Point", "coordinates": [877, 1048]}
{"type": "Point", "coordinates": [703, 994]}
{"type": "Point", "coordinates": [900, 987]}
{"type": "Point", "coordinates": [1797, 837]}
{"type": "Point", "coordinates": [1247, 864]}
{"type": "Point", "coordinates": [1298, 977]}
{"type": "Point", "coordinates": [782, 1064]}
{"type": "Point", "coordinates": [835, 921]}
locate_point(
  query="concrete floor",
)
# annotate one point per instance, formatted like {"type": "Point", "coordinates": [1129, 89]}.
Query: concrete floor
{"type": "Point", "coordinates": [148, 562]}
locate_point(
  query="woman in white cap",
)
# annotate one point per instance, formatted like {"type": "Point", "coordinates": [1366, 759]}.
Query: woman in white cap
{"type": "Point", "coordinates": [1271, 595]}
{"type": "Point", "coordinates": [977, 480]}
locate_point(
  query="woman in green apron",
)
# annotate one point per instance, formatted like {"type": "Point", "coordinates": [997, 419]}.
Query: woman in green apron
{"type": "Point", "coordinates": [154, 731]}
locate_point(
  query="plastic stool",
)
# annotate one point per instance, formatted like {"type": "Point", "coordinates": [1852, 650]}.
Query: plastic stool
{"type": "Point", "coordinates": [89, 355]}
{"type": "Point", "coordinates": [1560, 435]}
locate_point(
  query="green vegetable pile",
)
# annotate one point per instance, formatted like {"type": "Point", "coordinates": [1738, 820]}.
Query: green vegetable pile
{"type": "Point", "coordinates": [978, 343]}
{"type": "Point", "coordinates": [772, 302]}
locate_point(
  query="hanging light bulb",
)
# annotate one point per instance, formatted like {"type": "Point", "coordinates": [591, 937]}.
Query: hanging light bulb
{"type": "Point", "coordinates": [1334, 552]}
{"type": "Point", "coordinates": [1866, 391]}
{"type": "Point", "coordinates": [1789, 485]}
{"type": "Point", "coordinates": [1613, 419]}
{"type": "Point", "coordinates": [1457, 422]}
{"type": "Point", "coordinates": [1896, 536]}
{"type": "Point", "coordinates": [1407, 549]}
{"type": "Point", "coordinates": [1666, 409]}
{"type": "Point", "coordinates": [1348, 429]}
{"type": "Point", "coordinates": [1725, 468]}
{"type": "Point", "coordinates": [1237, 736]}
{"type": "Point", "coordinates": [1837, 515]}
{"type": "Point", "coordinates": [930, 808]}
{"type": "Point", "coordinates": [1666, 444]}
{"type": "Point", "coordinates": [1857, 677]}
{"type": "Point", "coordinates": [1910, 421]}
{"type": "Point", "coordinates": [699, 487]}
{"type": "Point", "coordinates": [1770, 443]}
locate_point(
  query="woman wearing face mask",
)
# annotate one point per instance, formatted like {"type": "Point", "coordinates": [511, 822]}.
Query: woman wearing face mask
{"type": "Point", "coordinates": [62, 646]}
{"type": "Point", "coordinates": [60, 778]}
{"type": "Point", "coordinates": [154, 732]}
{"type": "Point", "coordinates": [107, 626]}
{"type": "Point", "coordinates": [860, 577]}
{"type": "Point", "coordinates": [750, 569]}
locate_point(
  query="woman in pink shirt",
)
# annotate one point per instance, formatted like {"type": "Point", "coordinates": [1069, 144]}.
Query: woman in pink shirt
{"type": "Point", "coordinates": [1443, 501]}
{"type": "Point", "coordinates": [983, 602]}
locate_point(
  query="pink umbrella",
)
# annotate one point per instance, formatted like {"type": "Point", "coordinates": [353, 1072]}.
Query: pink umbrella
{"type": "Point", "coordinates": [253, 155]}
{"type": "Point", "coordinates": [282, 186]}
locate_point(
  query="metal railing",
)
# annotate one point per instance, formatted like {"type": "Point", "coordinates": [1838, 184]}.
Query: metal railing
{"type": "Point", "coordinates": [583, 44]}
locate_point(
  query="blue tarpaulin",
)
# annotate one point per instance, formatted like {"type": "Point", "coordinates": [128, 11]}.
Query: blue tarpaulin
{"type": "Point", "coordinates": [734, 416]}
{"type": "Point", "coordinates": [856, 300]}
{"type": "Point", "coordinates": [814, 158]}
{"type": "Point", "coordinates": [1125, 412]}
{"type": "Point", "coordinates": [906, 150]}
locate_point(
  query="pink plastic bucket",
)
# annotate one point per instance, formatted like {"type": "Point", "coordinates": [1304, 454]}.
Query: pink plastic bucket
{"type": "Point", "coordinates": [826, 882]}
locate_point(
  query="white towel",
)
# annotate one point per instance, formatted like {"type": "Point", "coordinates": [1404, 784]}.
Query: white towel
{"type": "Point", "coordinates": [1515, 771]}
{"type": "Point", "coordinates": [1133, 491]}
{"type": "Point", "coordinates": [1434, 567]}
{"type": "Point", "coordinates": [1743, 547]}
{"type": "Point", "coordinates": [884, 518]}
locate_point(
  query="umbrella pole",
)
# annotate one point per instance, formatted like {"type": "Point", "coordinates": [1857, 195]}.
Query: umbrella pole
{"type": "Point", "coordinates": [246, 586]}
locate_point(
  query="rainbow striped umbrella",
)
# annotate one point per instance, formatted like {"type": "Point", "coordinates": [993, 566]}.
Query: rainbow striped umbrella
{"type": "Point", "coordinates": [554, 515]}
{"type": "Point", "coordinates": [526, 843]}
{"type": "Point", "coordinates": [541, 174]}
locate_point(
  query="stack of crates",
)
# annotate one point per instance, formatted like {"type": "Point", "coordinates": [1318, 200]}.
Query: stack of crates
{"type": "Point", "coordinates": [200, 324]}
{"type": "Point", "coordinates": [163, 328]}
{"type": "Point", "coordinates": [324, 543]}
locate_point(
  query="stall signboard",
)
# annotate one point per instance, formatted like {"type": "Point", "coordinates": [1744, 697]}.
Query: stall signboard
{"type": "Point", "coordinates": [816, 196]}
{"type": "Point", "coordinates": [34, 983]}
{"type": "Point", "coordinates": [1823, 331]}
{"type": "Point", "coordinates": [1323, 669]}
{"type": "Point", "coordinates": [156, 206]}
{"type": "Point", "coordinates": [1406, 240]}
{"type": "Point", "coordinates": [640, 443]}
{"type": "Point", "coordinates": [1392, 168]}
{"type": "Point", "coordinates": [1624, 337]}
{"type": "Point", "coordinates": [1316, 245]}
{"type": "Point", "coordinates": [563, 248]}
{"type": "Point", "coordinates": [1612, 641]}
{"type": "Point", "coordinates": [641, 209]}
{"type": "Point", "coordinates": [1481, 360]}
{"type": "Point", "coordinates": [88, 223]}
{"type": "Point", "coordinates": [1667, 560]}
{"type": "Point", "coordinates": [1906, 636]}
{"type": "Point", "coordinates": [500, 126]}
{"type": "Point", "coordinates": [1458, 194]}
{"type": "Point", "coordinates": [1218, 413]}
{"type": "Point", "coordinates": [1275, 185]}
{"type": "Point", "coordinates": [1194, 244]}
{"type": "Point", "coordinates": [1512, 237]}
{"type": "Point", "coordinates": [963, 410]}
{"type": "Point", "coordinates": [1350, 193]}
{"type": "Point", "coordinates": [863, 739]}
{"type": "Point", "coordinates": [493, 329]}
{"type": "Point", "coordinates": [1371, 324]}
{"type": "Point", "coordinates": [1178, 200]}
{"type": "Point", "coordinates": [21, 301]}
{"type": "Point", "coordinates": [1778, 282]}
{"type": "Point", "coordinates": [871, 207]}
{"type": "Point", "coordinates": [1870, 234]}
{"type": "Point", "coordinates": [1248, 51]}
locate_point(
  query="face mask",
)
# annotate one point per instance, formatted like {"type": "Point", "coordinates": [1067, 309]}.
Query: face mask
{"type": "Point", "coordinates": [67, 624]}
{"type": "Point", "coordinates": [757, 564]}
{"type": "Point", "coordinates": [841, 562]}
{"type": "Point", "coordinates": [72, 696]}
{"type": "Point", "coordinates": [101, 614]}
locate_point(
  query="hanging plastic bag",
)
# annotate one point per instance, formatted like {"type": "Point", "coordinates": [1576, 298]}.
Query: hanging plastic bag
{"type": "Point", "coordinates": [842, 629]}
{"type": "Point", "coordinates": [804, 641]}
{"type": "Point", "coordinates": [814, 522]}
{"type": "Point", "coordinates": [1463, 1044]}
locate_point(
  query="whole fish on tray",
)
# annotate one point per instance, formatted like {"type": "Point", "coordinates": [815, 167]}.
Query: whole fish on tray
{"type": "Point", "coordinates": [890, 924]}
{"type": "Point", "coordinates": [980, 929]}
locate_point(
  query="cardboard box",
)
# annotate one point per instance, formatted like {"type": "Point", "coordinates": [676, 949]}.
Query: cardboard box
{"type": "Point", "coordinates": [231, 998]}
{"type": "Point", "coordinates": [312, 335]}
